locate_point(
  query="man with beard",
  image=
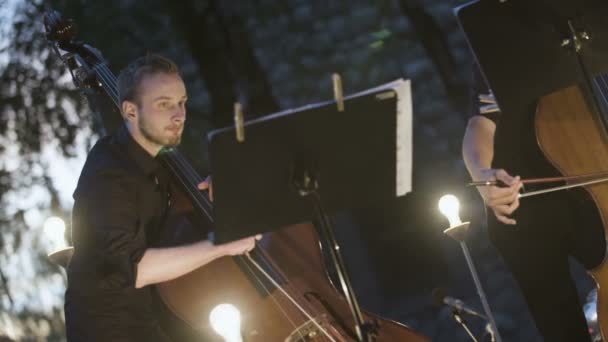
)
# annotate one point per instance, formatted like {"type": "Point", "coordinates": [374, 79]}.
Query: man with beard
{"type": "Point", "coordinates": [120, 204]}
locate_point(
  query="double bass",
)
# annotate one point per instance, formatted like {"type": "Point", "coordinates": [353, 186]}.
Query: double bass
{"type": "Point", "coordinates": [282, 288]}
{"type": "Point", "coordinates": [574, 140]}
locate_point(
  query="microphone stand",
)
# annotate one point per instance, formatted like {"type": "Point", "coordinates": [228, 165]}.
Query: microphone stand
{"type": "Point", "coordinates": [458, 233]}
{"type": "Point", "coordinates": [463, 323]}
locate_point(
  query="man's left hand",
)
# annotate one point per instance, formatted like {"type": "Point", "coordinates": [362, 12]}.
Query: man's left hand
{"type": "Point", "coordinates": [207, 185]}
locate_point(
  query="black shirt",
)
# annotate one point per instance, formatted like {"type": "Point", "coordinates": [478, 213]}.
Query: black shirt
{"type": "Point", "coordinates": [479, 87]}
{"type": "Point", "coordinates": [120, 203]}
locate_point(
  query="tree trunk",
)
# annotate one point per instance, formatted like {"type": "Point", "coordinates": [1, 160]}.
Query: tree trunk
{"type": "Point", "coordinates": [435, 43]}
{"type": "Point", "coordinates": [226, 59]}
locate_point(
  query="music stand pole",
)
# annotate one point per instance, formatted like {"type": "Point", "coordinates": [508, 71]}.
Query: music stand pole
{"type": "Point", "coordinates": [458, 233]}
{"type": "Point", "coordinates": [307, 186]}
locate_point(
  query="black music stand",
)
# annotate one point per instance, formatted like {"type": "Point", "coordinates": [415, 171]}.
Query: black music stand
{"type": "Point", "coordinates": [299, 165]}
{"type": "Point", "coordinates": [529, 48]}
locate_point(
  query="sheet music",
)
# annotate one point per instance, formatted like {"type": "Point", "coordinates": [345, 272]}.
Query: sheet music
{"type": "Point", "coordinates": [404, 137]}
{"type": "Point", "coordinates": [404, 141]}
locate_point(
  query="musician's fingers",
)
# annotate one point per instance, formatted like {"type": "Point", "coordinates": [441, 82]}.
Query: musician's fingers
{"type": "Point", "coordinates": [207, 185]}
{"type": "Point", "coordinates": [501, 198]}
{"type": "Point", "coordinates": [203, 185]}
{"type": "Point", "coordinates": [504, 218]}
{"type": "Point", "coordinates": [495, 193]}
{"type": "Point", "coordinates": [507, 209]}
{"type": "Point", "coordinates": [251, 245]}
{"type": "Point", "coordinates": [514, 196]}
{"type": "Point", "coordinates": [498, 196]}
{"type": "Point", "coordinates": [506, 178]}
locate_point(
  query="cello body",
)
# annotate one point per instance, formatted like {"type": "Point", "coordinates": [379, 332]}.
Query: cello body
{"type": "Point", "coordinates": [574, 140]}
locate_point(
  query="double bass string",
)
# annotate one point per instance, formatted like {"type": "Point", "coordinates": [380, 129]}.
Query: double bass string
{"type": "Point", "coordinates": [248, 262]}
{"type": "Point", "coordinates": [195, 179]}
{"type": "Point", "coordinates": [190, 180]}
{"type": "Point", "coordinates": [602, 86]}
{"type": "Point", "coordinates": [109, 80]}
{"type": "Point", "coordinates": [604, 89]}
{"type": "Point", "coordinates": [104, 69]}
{"type": "Point", "coordinates": [284, 289]}
{"type": "Point", "coordinates": [291, 299]}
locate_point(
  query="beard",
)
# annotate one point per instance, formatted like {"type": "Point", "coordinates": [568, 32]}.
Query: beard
{"type": "Point", "coordinates": [158, 138]}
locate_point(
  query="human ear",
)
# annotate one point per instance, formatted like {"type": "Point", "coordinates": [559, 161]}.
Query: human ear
{"type": "Point", "coordinates": [129, 110]}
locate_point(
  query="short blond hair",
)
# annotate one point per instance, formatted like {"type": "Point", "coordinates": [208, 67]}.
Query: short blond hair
{"type": "Point", "coordinates": [130, 77]}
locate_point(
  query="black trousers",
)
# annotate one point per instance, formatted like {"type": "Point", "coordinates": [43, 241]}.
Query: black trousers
{"type": "Point", "coordinates": [87, 323]}
{"type": "Point", "coordinates": [551, 227]}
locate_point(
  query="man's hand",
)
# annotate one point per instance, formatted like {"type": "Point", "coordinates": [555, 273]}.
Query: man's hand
{"type": "Point", "coordinates": [206, 185]}
{"type": "Point", "coordinates": [502, 200]}
{"type": "Point", "coordinates": [241, 246]}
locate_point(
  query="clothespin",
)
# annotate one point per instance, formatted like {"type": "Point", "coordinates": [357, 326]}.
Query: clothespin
{"type": "Point", "coordinates": [239, 122]}
{"type": "Point", "coordinates": [338, 93]}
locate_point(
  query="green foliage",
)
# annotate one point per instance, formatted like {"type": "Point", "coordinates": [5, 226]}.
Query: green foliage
{"type": "Point", "coordinates": [40, 113]}
{"type": "Point", "coordinates": [32, 99]}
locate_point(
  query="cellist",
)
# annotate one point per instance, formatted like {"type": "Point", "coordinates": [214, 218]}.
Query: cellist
{"type": "Point", "coordinates": [536, 236]}
{"type": "Point", "coordinates": [121, 200]}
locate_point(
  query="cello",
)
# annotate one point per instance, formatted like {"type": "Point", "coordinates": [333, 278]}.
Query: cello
{"type": "Point", "coordinates": [281, 288]}
{"type": "Point", "coordinates": [566, 113]}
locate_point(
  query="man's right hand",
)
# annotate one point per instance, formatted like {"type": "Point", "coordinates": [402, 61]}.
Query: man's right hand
{"type": "Point", "coordinates": [502, 200]}
{"type": "Point", "coordinates": [241, 246]}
